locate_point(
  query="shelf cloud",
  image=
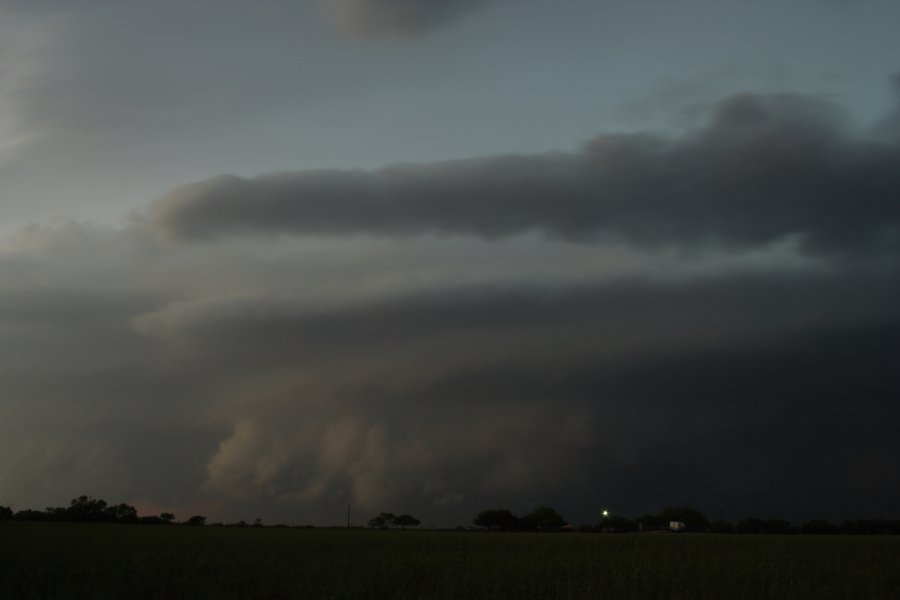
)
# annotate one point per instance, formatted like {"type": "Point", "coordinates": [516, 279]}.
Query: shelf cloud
{"type": "Point", "coordinates": [765, 168]}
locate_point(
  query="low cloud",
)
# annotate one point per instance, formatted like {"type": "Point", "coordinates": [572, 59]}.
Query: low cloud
{"type": "Point", "coordinates": [396, 18]}
{"type": "Point", "coordinates": [764, 169]}
{"type": "Point", "coordinates": [888, 128]}
{"type": "Point", "coordinates": [503, 394]}
{"type": "Point", "coordinates": [277, 379]}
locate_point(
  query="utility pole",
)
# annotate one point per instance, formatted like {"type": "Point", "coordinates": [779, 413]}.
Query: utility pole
{"type": "Point", "coordinates": [348, 515]}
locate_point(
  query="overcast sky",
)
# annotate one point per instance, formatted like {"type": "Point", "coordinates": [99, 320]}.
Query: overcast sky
{"type": "Point", "coordinates": [267, 259]}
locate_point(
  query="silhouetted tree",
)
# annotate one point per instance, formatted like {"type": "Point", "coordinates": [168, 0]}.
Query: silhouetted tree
{"type": "Point", "coordinates": [122, 513]}
{"type": "Point", "coordinates": [382, 521]}
{"type": "Point", "coordinates": [85, 508]}
{"type": "Point", "coordinates": [31, 515]}
{"type": "Point", "coordinates": [166, 517]}
{"type": "Point", "coordinates": [6, 513]}
{"type": "Point", "coordinates": [151, 521]}
{"type": "Point", "coordinates": [405, 521]}
{"type": "Point", "coordinates": [388, 520]}
{"type": "Point", "coordinates": [543, 518]}
{"type": "Point", "coordinates": [196, 520]}
{"type": "Point", "coordinates": [497, 519]}
{"type": "Point", "coordinates": [57, 513]}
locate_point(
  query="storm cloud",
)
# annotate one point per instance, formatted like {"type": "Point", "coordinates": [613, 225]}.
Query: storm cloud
{"type": "Point", "coordinates": [765, 168]}
{"type": "Point", "coordinates": [707, 319]}
{"type": "Point", "coordinates": [696, 302]}
{"type": "Point", "coordinates": [443, 375]}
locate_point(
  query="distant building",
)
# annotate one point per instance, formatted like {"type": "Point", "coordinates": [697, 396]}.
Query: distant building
{"type": "Point", "coordinates": [676, 526]}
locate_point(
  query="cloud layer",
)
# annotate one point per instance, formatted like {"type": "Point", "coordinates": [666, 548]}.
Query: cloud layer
{"type": "Point", "coordinates": [396, 17]}
{"type": "Point", "coordinates": [764, 168]}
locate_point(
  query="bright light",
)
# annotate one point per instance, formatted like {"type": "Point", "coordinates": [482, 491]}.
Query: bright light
{"type": "Point", "coordinates": [605, 513]}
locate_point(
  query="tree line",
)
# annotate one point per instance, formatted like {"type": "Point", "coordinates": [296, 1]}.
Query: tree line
{"type": "Point", "coordinates": [87, 509]}
{"type": "Point", "coordinates": [545, 518]}
{"type": "Point", "coordinates": [388, 520]}
{"type": "Point", "coordinates": [542, 518]}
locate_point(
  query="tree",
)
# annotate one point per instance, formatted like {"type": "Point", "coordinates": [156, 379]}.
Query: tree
{"type": "Point", "coordinates": [85, 508]}
{"type": "Point", "coordinates": [543, 518]}
{"type": "Point", "coordinates": [166, 517]}
{"type": "Point", "coordinates": [6, 513]}
{"type": "Point", "coordinates": [31, 515]}
{"type": "Point", "coordinates": [382, 521]}
{"type": "Point", "coordinates": [405, 521]}
{"type": "Point", "coordinates": [150, 521]}
{"type": "Point", "coordinates": [495, 519]}
{"type": "Point", "coordinates": [377, 523]}
{"type": "Point", "coordinates": [196, 520]}
{"type": "Point", "coordinates": [57, 513]}
{"type": "Point", "coordinates": [122, 513]}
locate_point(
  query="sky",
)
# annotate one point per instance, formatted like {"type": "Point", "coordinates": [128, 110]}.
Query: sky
{"type": "Point", "coordinates": [265, 260]}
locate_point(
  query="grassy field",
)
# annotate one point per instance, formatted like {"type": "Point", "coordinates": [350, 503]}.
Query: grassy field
{"type": "Point", "coordinates": [59, 560]}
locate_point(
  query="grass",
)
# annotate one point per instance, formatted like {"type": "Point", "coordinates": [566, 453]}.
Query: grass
{"type": "Point", "coordinates": [82, 561]}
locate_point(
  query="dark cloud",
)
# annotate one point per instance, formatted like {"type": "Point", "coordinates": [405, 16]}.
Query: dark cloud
{"type": "Point", "coordinates": [396, 17]}
{"type": "Point", "coordinates": [765, 168]}
{"type": "Point", "coordinates": [889, 127]}
{"type": "Point", "coordinates": [513, 394]}
{"type": "Point", "coordinates": [280, 380]}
